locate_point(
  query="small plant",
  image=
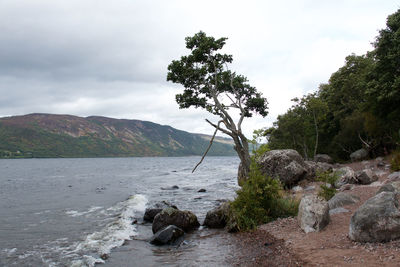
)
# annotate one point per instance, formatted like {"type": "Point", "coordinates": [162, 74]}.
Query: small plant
{"type": "Point", "coordinates": [395, 162]}
{"type": "Point", "coordinates": [329, 179]}
{"type": "Point", "coordinates": [260, 200]}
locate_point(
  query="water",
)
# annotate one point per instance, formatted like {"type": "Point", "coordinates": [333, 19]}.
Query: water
{"type": "Point", "coordinates": [69, 212]}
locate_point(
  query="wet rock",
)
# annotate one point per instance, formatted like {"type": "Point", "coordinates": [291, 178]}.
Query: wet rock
{"type": "Point", "coordinates": [104, 256]}
{"type": "Point", "coordinates": [167, 235]}
{"type": "Point", "coordinates": [377, 220]}
{"type": "Point", "coordinates": [313, 213]}
{"type": "Point", "coordinates": [218, 217]}
{"type": "Point", "coordinates": [346, 176]}
{"type": "Point", "coordinates": [323, 158]}
{"type": "Point", "coordinates": [186, 220]}
{"type": "Point", "coordinates": [151, 212]}
{"type": "Point", "coordinates": [342, 199]}
{"type": "Point", "coordinates": [286, 165]}
{"type": "Point", "coordinates": [174, 187]}
{"type": "Point", "coordinates": [366, 176]}
{"type": "Point", "coordinates": [202, 190]}
{"type": "Point", "coordinates": [359, 155]}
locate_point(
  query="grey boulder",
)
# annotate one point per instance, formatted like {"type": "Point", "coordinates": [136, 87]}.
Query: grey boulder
{"type": "Point", "coordinates": [184, 219]}
{"type": "Point", "coordinates": [346, 176]}
{"type": "Point", "coordinates": [150, 213]}
{"type": "Point", "coordinates": [342, 199]}
{"type": "Point", "coordinates": [366, 176]}
{"type": "Point", "coordinates": [377, 220]}
{"type": "Point", "coordinates": [286, 165]}
{"type": "Point", "coordinates": [167, 235]}
{"type": "Point", "coordinates": [218, 217]}
{"type": "Point", "coordinates": [359, 155]}
{"type": "Point", "coordinates": [323, 158]}
{"type": "Point", "coordinates": [313, 214]}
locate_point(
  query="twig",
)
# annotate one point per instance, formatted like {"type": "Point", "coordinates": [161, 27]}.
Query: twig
{"type": "Point", "coordinates": [208, 148]}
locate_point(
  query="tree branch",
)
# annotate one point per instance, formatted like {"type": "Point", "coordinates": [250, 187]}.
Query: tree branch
{"type": "Point", "coordinates": [208, 148]}
{"type": "Point", "coordinates": [219, 128]}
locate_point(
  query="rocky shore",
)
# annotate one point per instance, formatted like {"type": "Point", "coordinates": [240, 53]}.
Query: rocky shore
{"type": "Point", "coordinates": [284, 243]}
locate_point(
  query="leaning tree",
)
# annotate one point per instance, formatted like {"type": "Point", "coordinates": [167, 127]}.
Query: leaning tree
{"type": "Point", "coordinates": [209, 84]}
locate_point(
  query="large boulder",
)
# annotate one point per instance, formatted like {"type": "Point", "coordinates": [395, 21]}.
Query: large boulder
{"type": "Point", "coordinates": [359, 155]}
{"type": "Point", "coordinates": [366, 176]}
{"type": "Point", "coordinates": [395, 176]}
{"type": "Point", "coordinates": [313, 168]}
{"type": "Point", "coordinates": [377, 220]}
{"type": "Point", "coordinates": [167, 235]}
{"type": "Point", "coordinates": [151, 212]}
{"type": "Point", "coordinates": [342, 199]}
{"type": "Point", "coordinates": [218, 217]}
{"type": "Point", "coordinates": [313, 213]}
{"type": "Point", "coordinates": [286, 165]}
{"type": "Point", "coordinates": [323, 158]}
{"type": "Point", "coordinates": [346, 176]}
{"type": "Point", "coordinates": [184, 219]}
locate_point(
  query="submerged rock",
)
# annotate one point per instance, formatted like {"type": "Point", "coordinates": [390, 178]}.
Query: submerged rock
{"type": "Point", "coordinates": [167, 235]}
{"type": "Point", "coordinates": [313, 213]}
{"type": "Point", "coordinates": [218, 217]}
{"type": "Point", "coordinates": [377, 220]}
{"type": "Point", "coordinates": [184, 219]}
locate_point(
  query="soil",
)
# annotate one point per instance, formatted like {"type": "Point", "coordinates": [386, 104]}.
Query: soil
{"type": "Point", "coordinates": [283, 243]}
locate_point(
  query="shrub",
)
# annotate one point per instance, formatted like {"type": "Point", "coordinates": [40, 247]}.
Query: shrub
{"type": "Point", "coordinates": [395, 162]}
{"type": "Point", "coordinates": [260, 200]}
{"type": "Point", "coordinates": [328, 189]}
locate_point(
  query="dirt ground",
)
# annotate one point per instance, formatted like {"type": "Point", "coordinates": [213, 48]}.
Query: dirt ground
{"type": "Point", "coordinates": [283, 243]}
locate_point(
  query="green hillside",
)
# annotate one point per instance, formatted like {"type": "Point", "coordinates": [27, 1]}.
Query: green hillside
{"type": "Point", "coordinates": [46, 135]}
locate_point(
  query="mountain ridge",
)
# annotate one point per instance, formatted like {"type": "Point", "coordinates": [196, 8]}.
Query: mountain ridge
{"type": "Point", "coordinates": [57, 135]}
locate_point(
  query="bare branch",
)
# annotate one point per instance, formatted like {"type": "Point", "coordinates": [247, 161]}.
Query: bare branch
{"type": "Point", "coordinates": [364, 142]}
{"type": "Point", "coordinates": [219, 128]}
{"type": "Point", "coordinates": [208, 148]}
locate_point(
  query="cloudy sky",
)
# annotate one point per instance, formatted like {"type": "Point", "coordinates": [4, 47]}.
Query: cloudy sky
{"type": "Point", "coordinates": [110, 58]}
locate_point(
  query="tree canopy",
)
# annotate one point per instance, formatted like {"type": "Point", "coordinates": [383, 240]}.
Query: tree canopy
{"type": "Point", "coordinates": [210, 84]}
{"type": "Point", "coordinates": [358, 107]}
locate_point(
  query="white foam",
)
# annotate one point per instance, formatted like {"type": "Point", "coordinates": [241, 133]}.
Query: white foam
{"type": "Point", "coordinates": [75, 213]}
{"type": "Point", "coordinates": [115, 233]}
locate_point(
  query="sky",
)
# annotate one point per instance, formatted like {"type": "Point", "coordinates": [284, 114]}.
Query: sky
{"type": "Point", "coordinates": [110, 58]}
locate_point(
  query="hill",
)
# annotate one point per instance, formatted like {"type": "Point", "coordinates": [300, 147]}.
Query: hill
{"type": "Point", "coordinates": [48, 135]}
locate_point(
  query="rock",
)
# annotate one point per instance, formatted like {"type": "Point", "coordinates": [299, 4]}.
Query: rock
{"type": "Point", "coordinates": [286, 165]}
{"type": "Point", "coordinates": [346, 176]}
{"type": "Point", "coordinates": [174, 187]}
{"type": "Point", "coordinates": [202, 190]}
{"type": "Point", "coordinates": [380, 162]}
{"type": "Point", "coordinates": [366, 176]}
{"type": "Point", "coordinates": [359, 155]}
{"type": "Point", "coordinates": [167, 235]}
{"type": "Point", "coordinates": [297, 189]}
{"type": "Point", "coordinates": [186, 220]}
{"type": "Point", "coordinates": [346, 187]}
{"type": "Point", "coordinates": [218, 217]}
{"type": "Point", "coordinates": [377, 220]}
{"type": "Point", "coordinates": [310, 188]}
{"type": "Point", "coordinates": [313, 213]}
{"type": "Point", "coordinates": [386, 188]}
{"type": "Point", "coordinates": [342, 199]}
{"type": "Point", "coordinates": [395, 176]}
{"type": "Point", "coordinates": [313, 168]}
{"type": "Point", "coordinates": [150, 213]}
{"type": "Point", "coordinates": [338, 210]}
{"type": "Point", "coordinates": [323, 158]}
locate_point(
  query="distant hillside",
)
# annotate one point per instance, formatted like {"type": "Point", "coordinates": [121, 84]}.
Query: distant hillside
{"type": "Point", "coordinates": [47, 135]}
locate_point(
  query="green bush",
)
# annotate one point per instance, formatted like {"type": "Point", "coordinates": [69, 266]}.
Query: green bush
{"type": "Point", "coordinates": [259, 201]}
{"type": "Point", "coordinates": [395, 162]}
{"type": "Point", "coordinates": [328, 189]}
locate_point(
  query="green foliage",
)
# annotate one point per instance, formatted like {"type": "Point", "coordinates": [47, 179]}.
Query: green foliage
{"type": "Point", "coordinates": [358, 107]}
{"type": "Point", "coordinates": [260, 200]}
{"type": "Point", "coordinates": [395, 161]}
{"type": "Point", "coordinates": [329, 179]}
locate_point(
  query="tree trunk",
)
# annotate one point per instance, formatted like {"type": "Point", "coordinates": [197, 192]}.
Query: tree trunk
{"type": "Point", "coordinates": [316, 135]}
